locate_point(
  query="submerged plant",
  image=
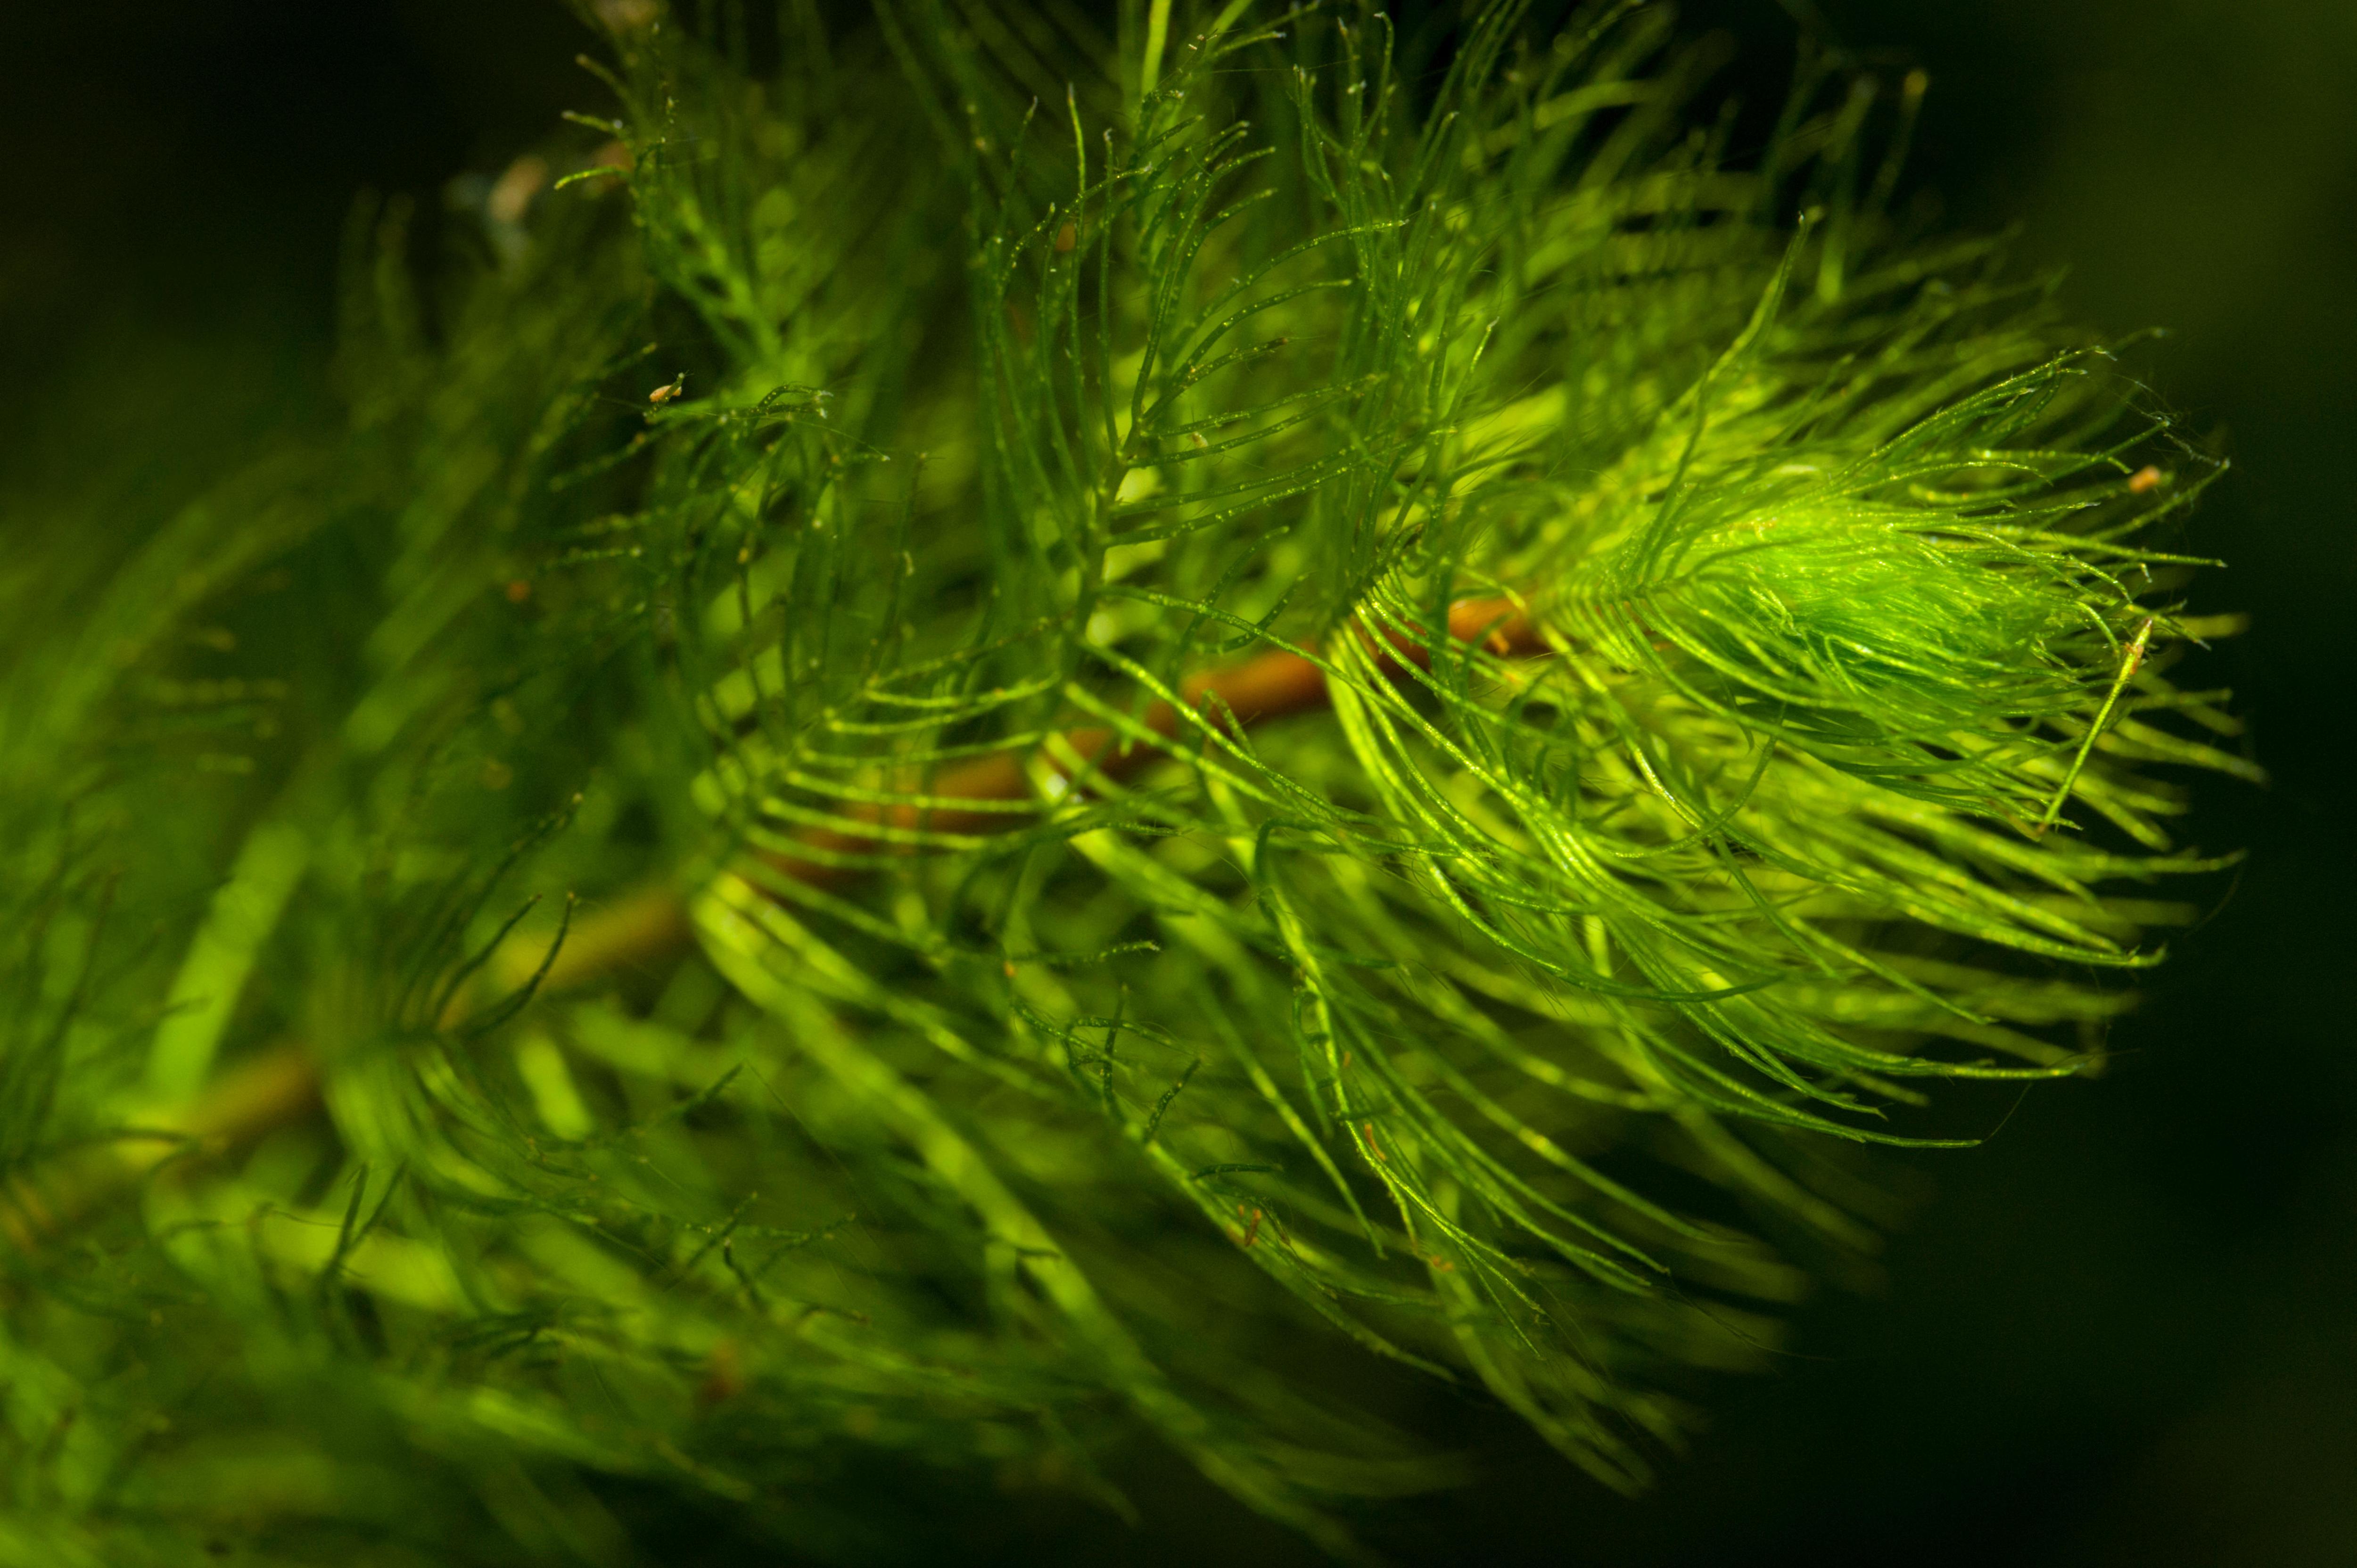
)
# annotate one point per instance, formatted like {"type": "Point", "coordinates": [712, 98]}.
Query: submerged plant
{"type": "Point", "coordinates": [1253, 698]}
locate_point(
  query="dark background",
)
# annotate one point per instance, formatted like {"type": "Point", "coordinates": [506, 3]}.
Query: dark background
{"type": "Point", "coordinates": [2121, 1332]}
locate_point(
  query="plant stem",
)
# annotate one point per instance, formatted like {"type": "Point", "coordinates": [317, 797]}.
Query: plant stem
{"type": "Point", "coordinates": [650, 925]}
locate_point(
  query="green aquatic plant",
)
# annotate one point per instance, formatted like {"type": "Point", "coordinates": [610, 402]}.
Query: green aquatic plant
{"type": "Point", "coordinates": [1255, 698]}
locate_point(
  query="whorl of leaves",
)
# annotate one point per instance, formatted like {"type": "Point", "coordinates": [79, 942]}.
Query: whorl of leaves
{"type": "Point", "coordinates": [1508, 1015]}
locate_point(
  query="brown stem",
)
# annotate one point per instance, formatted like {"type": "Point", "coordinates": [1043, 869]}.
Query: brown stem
{"type": "Point", "coordinates": [650, 925]}
{"type": "Point", "coordinates": [1272, 685]}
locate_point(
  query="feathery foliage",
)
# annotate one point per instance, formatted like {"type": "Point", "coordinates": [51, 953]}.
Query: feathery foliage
{"type": "Point", "coordinates": [1723, 650]}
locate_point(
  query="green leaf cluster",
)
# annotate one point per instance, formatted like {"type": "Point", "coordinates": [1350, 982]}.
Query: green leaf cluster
{"type": "Point", "coordinates": [1507, 1018]}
